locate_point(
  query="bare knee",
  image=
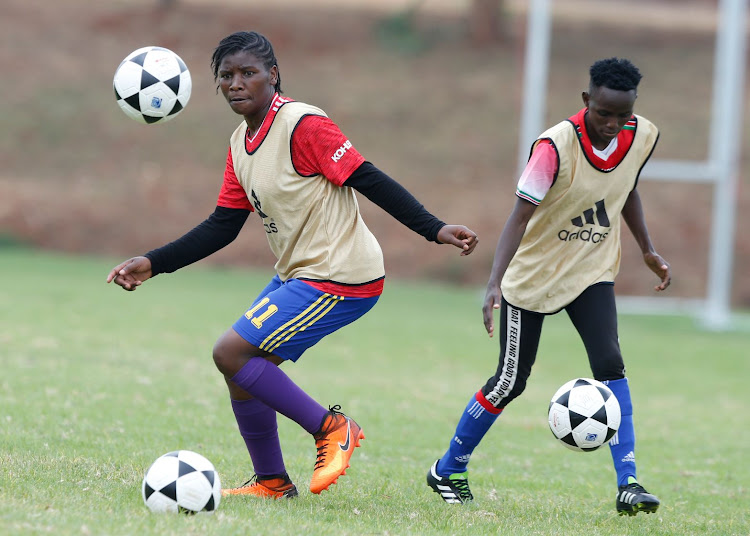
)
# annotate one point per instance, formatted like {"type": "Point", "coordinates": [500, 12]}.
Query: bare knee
{"type": "Point", "coordinates": [231, 352]}
{"type": "Point", "coordinates": [222, 358]}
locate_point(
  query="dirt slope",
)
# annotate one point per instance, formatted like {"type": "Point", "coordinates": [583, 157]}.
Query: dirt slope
{"type": "Point", "coordinates": [412, 94]}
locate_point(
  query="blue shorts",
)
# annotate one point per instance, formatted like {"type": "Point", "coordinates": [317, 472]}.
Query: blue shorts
{"type": "Point", "coordinates": [289, 317]}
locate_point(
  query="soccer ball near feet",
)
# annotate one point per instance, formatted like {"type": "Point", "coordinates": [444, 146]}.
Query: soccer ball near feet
{"type": "Point", "coordinates": [152, 84]}
{"type": "Point", "coordinates": [584, 414]}
{"type": "Point", "coordinates": [181, 481]}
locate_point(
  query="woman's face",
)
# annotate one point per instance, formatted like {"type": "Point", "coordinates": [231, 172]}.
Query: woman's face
{"type": "Point", "coordinates": [246, 83]}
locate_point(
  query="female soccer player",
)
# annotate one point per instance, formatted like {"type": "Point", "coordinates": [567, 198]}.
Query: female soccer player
{"type": "Point", "coordinates": [560, 249]}
{"type": "Point", "coordinates": [292, 166]}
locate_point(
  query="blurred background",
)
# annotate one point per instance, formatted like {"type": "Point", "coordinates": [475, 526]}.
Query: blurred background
{"type": "Point", "coordinates": [429, 91]}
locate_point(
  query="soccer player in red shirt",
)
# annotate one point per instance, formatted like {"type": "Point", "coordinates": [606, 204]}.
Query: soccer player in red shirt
{"type": "Point", "coordinates": [292, 166]}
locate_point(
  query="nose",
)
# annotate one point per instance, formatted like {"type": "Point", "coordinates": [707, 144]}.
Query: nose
{"type": "Point", "coordinates": [613, 126]}
{"type": "Point", "coordinates": [236, 82]}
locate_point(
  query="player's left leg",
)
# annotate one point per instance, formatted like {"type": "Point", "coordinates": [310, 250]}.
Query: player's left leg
{"type": "Point", "coordinates": [594, 315]}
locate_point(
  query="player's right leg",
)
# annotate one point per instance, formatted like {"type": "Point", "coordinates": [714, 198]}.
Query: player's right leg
{"type": "Point", "coordinates": [257, 424]}
{"type": "Point", "coordinates": [519, 339]}
{"type": "Point", "coordinates": [268, 487]}
{"type": "Point", "coordinates": [453, 488]}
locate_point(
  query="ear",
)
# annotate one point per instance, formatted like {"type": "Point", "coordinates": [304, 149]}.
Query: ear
{"type": "Point", "coordinates": [586, 98]}
{"type": "Point", "coordinates": [273, 75]}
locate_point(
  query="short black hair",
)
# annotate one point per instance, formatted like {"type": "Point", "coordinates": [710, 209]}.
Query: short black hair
{"type": "Point", "coordinates": [614, 73]}
{"type": "Point", "coordinates": [252, 42]}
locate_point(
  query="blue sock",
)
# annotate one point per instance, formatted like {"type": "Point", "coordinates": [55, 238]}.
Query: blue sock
{"type": "Point", "coordinates": [475, 421]}
{"type": "Point", "coordinates": [622, 444]}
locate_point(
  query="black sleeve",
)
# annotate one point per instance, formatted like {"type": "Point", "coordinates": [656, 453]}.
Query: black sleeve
{"type": "Point", "coordinates": [395, 200]}
{"type": "Point", "coordinates": [208, 237]}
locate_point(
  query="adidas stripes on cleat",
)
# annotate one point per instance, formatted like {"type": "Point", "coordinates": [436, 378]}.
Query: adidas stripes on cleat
{"type": "Point", "coordinates": [280, 487]}
{"type": "Point", "coordinates": [454, 489]}
{"type": "Point", "coordinates": [634, 498]}
{"type": "Point", "coordinates": [336, 440]}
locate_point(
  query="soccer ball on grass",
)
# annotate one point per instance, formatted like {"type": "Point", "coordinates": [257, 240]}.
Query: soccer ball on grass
{"type": "Point", "coordinates": [181, 481]}
{"type": "Point", "coordinates": [152, 84]}
{"type": "Point", "coordinates": [584, 414]}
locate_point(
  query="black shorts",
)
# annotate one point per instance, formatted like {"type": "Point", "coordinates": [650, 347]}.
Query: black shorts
{"type": "Point", "coordinates": [593, 314]}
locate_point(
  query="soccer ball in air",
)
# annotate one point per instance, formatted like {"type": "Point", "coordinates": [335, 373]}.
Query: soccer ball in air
{"type": "Point", "coordinates": [181, 481]}
{"type": "Point", "coordinates": [584, 414]}
{"type": "Point", "coordinates": [152, 84]}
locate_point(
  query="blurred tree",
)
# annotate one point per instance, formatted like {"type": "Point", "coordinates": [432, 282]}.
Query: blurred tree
{"type": "Point", "coordinates": [400, 30]}
{"type": "Point", "coordinates": [485, 21]}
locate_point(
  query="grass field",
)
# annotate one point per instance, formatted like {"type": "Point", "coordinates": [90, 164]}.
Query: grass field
{"type": "Point", "coordinates": [96, 383]}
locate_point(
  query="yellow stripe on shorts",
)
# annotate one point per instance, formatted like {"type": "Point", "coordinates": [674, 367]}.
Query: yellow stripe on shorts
{"type": "Point", "coordinates": [302, 321]}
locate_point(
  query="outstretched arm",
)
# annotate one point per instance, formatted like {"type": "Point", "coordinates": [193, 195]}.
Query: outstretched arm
{"type": "Point", "coordinates": [316, 138]}
{"type": "Point", "coordinates": [208, 237]}
{"type": "Point", "coordinates": [402, 205]}
{"type": "Point", "coordinates": [632, 213]}
{"type": "Point", "coordinates": [507, 245]}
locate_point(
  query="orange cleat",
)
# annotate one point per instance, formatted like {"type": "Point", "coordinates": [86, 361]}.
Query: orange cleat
{"type": "Point", "coordinates": [336, 440]}
{"type": "Point", "coordinates": [270, 488]}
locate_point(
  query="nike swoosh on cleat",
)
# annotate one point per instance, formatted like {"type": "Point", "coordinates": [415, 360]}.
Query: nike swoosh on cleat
{"type": "Point", "coordinates": [346, 444]}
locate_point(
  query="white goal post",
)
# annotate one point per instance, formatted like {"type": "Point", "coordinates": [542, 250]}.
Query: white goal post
{"type": "Point", "coordinates": [721, 169]}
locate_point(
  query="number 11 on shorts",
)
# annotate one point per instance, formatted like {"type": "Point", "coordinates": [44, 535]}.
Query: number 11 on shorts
{"type": "Point", "coordinates": [265, 315]}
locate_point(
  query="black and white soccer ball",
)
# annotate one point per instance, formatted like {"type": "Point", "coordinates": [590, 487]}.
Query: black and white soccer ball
{"type": "Point", "coordinates": [181, 481]}
{"type": "Point", "coordinates": [152, 84]}
{"type": "Point", "coordinates": [584, 414]}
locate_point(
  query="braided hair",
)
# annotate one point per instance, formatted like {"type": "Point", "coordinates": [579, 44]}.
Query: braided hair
{"type": "Point", "coordinates": [252, 42]}
{"type": "Point", "coordinates": [614, 73]}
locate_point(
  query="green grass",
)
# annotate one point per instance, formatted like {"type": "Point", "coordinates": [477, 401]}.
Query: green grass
{"type": "Point", "coordinates": [95, 383]}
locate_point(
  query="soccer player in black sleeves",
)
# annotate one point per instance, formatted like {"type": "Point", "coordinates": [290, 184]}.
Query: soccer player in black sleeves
{"type": "Point", "coordinates": [560, 249]}
{"type": "Point", "coordinates": [292, 166]}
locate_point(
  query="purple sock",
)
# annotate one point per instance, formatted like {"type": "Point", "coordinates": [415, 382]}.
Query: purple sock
{"type": "Point", "coordinates": [265, 381]}
{"type": "Point", "coordinates": [257, 423]}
